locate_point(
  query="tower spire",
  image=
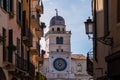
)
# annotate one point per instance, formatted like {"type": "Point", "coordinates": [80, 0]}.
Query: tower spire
{"type": "Point", "coordinates": [56, 12]}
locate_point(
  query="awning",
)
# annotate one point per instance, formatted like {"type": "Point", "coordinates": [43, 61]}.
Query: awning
{"type": "Point", "coordinates": [2, 75]}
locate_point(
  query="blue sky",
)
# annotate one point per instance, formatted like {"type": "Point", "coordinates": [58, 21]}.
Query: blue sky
{"type": "Point", "coordinates": [75, 12]}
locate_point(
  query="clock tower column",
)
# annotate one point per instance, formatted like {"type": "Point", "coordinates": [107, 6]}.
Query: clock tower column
{"type": "Point", "coordinates": [59, 48]}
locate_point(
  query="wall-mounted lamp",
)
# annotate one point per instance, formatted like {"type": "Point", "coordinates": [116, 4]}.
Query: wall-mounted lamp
{"type": "Point", "coordinates": [89, 27]}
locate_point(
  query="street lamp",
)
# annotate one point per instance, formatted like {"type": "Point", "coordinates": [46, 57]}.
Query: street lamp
{"type": "Point", "coordinates": [89, 27]}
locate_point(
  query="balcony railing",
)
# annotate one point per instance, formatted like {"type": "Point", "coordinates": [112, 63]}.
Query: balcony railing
{"type": "Point", "coordinates": [18, 63]}
{"type": "Point", "coordinates": [90, 63]}
{"type": "Point", "coordinates": [8, 59]}
{"type": "Point", "coordinates": [27, 36]}
{"type": "Point", "coordinates": [25, 66]}
{"type": "Point", "coordinates": [21, 63]}
{"type": "Point", "coordinates": [8, 53]}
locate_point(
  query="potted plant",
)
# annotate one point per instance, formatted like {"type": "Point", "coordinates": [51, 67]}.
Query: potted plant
{"type": "Point", "coordinates": [11, 15]}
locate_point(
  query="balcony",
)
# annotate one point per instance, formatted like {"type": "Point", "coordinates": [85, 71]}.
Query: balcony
{"type": "Point", "coordinates": [19, 66]}
{"type": "Point", "coordinates": [8, 61]}
{"type": "Point", "coordinates": [39, 29]}
{"type": "Point", "coordinates": [39, 9]}
{"type": "Point", "coordinates": [35, 49]}
{"type": "Point", "coordinates": [25, 66]}
{"type": "Point", "coordinates": [27, 36]}
{"type": "Point", "coordinates": [9, 57]}
{"type": "Point", "coordinates": [15, 64]}
{"type": "Point", "coordinates": [21, 63]}
{"type": "Point", "coordinates": [90, 63]}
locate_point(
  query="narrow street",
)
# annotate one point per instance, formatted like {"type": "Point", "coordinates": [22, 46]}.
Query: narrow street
{"type": "Point", "coordinates": [59, 39]}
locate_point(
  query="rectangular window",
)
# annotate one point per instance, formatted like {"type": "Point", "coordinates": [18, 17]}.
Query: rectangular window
{"type": "Point", "coordinates": [106, 18]}
{"type": "Point", "coordinates": [59, 40]}
{"type": "Point", "coordinates": [22, 50]}
{"type": "Point", "coordinates": [0, 3]}
{"type": "Point", "coordinates": [18, 46]}
{"type": "Point", "coordinates": [10, 36]}
{"type": "Point", "coordinates": [10, 42]}
{"type": "Point", "coordinates": [5, 5]}
{"type": "Point", "coordinates": [118, 11]}
{"type": "Point", "coordinates": [19, 12]}
{"type": "Point", "coordinates": [4, 44]}
{"type": "Point", "coordinates": [24, 23]}
{"type": "Point", "coordinates": [11, 4]}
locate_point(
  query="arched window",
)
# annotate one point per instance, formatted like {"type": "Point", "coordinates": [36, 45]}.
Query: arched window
{"type": "Point", "coordinates": [58, 29]}
{"type": "Point", "coordinates": [52, 29]}
{"type": "Point", "coordinates": [59, 40]}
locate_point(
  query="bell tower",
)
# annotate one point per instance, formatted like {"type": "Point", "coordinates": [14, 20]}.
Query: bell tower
{"type": "Point", "coordinates": [58, 47]}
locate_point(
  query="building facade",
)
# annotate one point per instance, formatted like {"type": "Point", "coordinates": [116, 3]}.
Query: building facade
{"type": "Point", "coordinates": [58, 47]}
{"type": "Point", "coordinates": [17, 39]}
{"type": "Point", "coordinates": [106, 39]}
{"type": "Point", "coordinates": [78, 68]}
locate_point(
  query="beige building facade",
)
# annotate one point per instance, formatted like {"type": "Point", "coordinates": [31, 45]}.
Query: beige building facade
{"type": "Point", "coordinates": [106, 17]}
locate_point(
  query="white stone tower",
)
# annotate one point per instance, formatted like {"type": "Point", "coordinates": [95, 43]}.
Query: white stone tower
{"type": "Point", "coordinates": [59, 49]}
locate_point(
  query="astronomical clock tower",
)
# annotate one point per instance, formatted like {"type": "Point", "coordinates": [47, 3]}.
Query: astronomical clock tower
{"type": "Point", "coordinates": [58, 47]}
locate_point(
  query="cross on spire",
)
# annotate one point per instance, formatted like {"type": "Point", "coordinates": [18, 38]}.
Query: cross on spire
{"type": "Point", "coordinates": [56, 12]}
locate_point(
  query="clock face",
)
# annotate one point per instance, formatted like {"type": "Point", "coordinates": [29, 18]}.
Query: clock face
{"type": "Point", "coordinates": [60, 64]}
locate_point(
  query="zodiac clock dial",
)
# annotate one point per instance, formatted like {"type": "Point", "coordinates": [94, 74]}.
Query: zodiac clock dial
{"type": "Point", "coordinates": [60, 64]}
